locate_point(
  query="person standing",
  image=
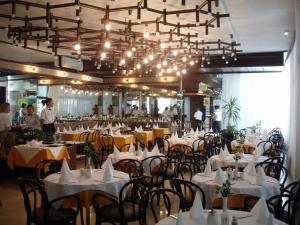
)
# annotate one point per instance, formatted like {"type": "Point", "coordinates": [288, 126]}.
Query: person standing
{"type": "Point", "coordinates": [5, 121]}
{"type": "Point", "coordinates": [166, 114]}
{"type": "Point", "coordinates": [95, 110]}
{"type": "Point", "coordinates": [175, 113]}
{"type": "Point", "coordinates": [22, 112]}
{"type": "Point", "coordinates": [47, 116]}
{"type": "Point", "coordinates": [110, 110]}
{"type": "Point", "coordinates": [198, 118]}
{"type": "Point", "coordinates": [31, 119]}
{"type": "Point", "coordinates": [217, 119]}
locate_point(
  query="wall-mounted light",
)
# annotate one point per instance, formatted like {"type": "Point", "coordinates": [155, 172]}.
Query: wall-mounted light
{"type": "Point", "coordinates": [31, 69]}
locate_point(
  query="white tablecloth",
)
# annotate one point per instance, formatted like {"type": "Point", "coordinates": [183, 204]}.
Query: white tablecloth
{"type": "Point", "coordinates": [184, 141]}
{"type": "Point", "coordinates": [217, 162]}
{"type": "Point", "coordinates": [245, 186]}
{"type": "Point", "coordinates": [129, 155]}
{"type": "Point", "coordinates": [28, 152]}
{"type": "Point", "coordinates": [245, 221]}
{"type": "Point", "coordinates": [79, 184]}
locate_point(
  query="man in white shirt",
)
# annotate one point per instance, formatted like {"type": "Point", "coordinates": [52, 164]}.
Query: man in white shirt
{"type": "Point", "coordinates": [5, 121]}
{"type": "Point", "coordinates": [166, 114]}
{"type": "Point", "coordinates": [47, 116]}
{"type": "Point", "coordinates": [217, 119]}
{"type": "Point", "coordinates": [175, 112]}
{"type": "Point", "coordinates": [198, 118]}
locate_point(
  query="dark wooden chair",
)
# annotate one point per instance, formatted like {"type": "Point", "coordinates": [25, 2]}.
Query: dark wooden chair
{"type": "Point", "coordinates": [107, 145]}
{"type": "Point", "coordinates": [41, 211]}
{"type": "Point", "coordinates": [131, 166]}
{"type": "Point", "coordinates": [45, 168]}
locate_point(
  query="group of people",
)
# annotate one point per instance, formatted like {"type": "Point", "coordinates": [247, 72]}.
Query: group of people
{"type": "Point", "coordinates": [170, 114]}
{"type": "Point", "coordinates": [134, 111]}
{"type": "Point", "coordinates": [215, 117]}
{"type": "Point", "coordinates": [28, 116]}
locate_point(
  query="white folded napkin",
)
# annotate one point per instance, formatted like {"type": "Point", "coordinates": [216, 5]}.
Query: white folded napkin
{"type": "Point", "coordinates": [192, 131]}
{"type": "Point", "coordinates": [211, 130]}
{"type": "Point", "coordinates": [88, 128]}
{"type": "Point", "coordinates": [65, 130]}
{"type": "Point", "coordinates": [155, 149]}
{"type": "Point", "coordinates": [261, 176]}
{"type": "Point", "coordinates": [207, 170]}
{"type": "Point", "coordinates": [131, 148]}
{"type": "Point", "coordinates": [139, 151]}
{"type": "Point", "coordinates": [108, 171]}
{"type": "Point", "coordinates": [65, 175]}
{"type": "Point", "coordinates": [136, 129]}
{"type": "Point", "coordinates": [34, 143]}
{"type": "Point", "coordinates": [260, 211]}
{"type": "Point", "coordinates": [116, 151]}
{"type": "Point", "coordinates": [197, 130]}
{"type": "Point", "coordinates": [70, 129]}
{"type": "Point", "coordinates": [176, 135]}
{"type": "Point", "coordinates": [96, 126]}
{"type": "Point", "coordinates": [226, 152]}
{"type": "Point", "coordinates": [110, 132]}
{"type": "Point", "coordinates": [157, 126]}
{"type": "Point", "coordinates": [180, 219]}
{"type": "Point", "coordinates": [118, 132]}
{"type": "Point", "coordinates": [141, 128]}
{"type": "Point", "coordinates": [220, 177]}
{"type": "Point", "coordinates": [270, 219]}
{"type": "Point", "coordinates": [196, 211]}
{"type": "Point", "coordinates": [82, 128]}
{"type": "Point", "coordinates": [250, 169]}
{"type": "Point", "coordinates": [221, 154]}
{"type": "Point", "coordinates": [145, 153]}
{"type": "Point", "coordinates": [123, 125]}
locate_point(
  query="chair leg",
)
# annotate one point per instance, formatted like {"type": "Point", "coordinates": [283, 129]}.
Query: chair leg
{"type": "Point", "coordinates": [81, 216]}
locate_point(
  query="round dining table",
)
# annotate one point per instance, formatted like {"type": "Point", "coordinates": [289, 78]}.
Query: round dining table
{"type": "Point", "coordinates": [247, 185]}
{"type": "Point", "coordinates": [85, 187]}
{"type": "Point", "coordinates": [217, 162]}
{"type": "Point", "coordinates": [243, 218]}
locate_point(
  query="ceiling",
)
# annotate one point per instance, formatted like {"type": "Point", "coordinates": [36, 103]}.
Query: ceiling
{"type": "Point", "coordinates": [257, 25]}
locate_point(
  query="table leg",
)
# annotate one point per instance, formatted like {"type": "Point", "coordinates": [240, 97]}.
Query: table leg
{"type": "Point", "coordinates": [87, 216]}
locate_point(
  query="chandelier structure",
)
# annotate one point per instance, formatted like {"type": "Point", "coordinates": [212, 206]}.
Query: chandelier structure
{"type": "Point", "coordinates": [122, 37]}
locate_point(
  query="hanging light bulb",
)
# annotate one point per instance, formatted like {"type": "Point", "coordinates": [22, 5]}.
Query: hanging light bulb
{"type": "Point", "coordinates": [103, 55]}
{"type": "Point", "coordinates": [146, 60]}
{"type": "Point", "coordinates": [107, 44]}
{"type": "Point", "coordinates": [151, 57]}
{"type": "Point", "coordinates": [175, 68]}
{"type": "Point", "coordinates": [175, 53]}
{"type": "Point", "coordinates": [107, 26]}
{"type": "Point", "coordinates": [163, 45]}
{"type": "Point", "coordinates": [235, 58]}
{"type": "Point", "coordinates": [138, 66]}
{"type": "Point", "coordinates": [184, 59]}
{"type": "Point", "coordinates": [61, 87]}
{"type": "Point", "coordinates": [157, 34]}
{"type": "Point", "coordinates": [129, 54]}
{"type": "Point", "coordinates": [184, 71]}
{"type": "Point", "coordinates": [122, 61]}
{"type": "Point", "coordinates": [77, 46]}
{"type": "Point", "coordinates": [169, 70]}
{"type": "Point", "coordinates": [133, 49]}
{"type": "Point", "coordinates": [178, 73]}
{"type": "Point", "coordinates": [158, 66]}
{"type": "Point", "coordinates": [165, 63]}
{"type": "Point", "coordinates": [192, 63]}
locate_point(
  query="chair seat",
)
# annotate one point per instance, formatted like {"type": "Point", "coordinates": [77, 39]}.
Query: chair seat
{"type": "Point", "coordinates": [111, 212]}
{"type": "Point", "coordinates": [56, 216]}
{"type": "Point", "coordinates": [170, 173]}
{"type": "Point", "coordinates": [154, 181]}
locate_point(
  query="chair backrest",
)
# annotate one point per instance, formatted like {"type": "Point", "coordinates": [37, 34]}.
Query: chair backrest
{"type": "Point", "coordinates": [284, 207]}
{"type": "Point", "coordinates": [84, 136]}
{"type": "Point", "coordinates": [131, 166]}
{"type": "Point", "coordinates": [211, 151]}
{"type": "Point", "coordinates": [34, 197]}
{"type": "Point", "coordinates": [175, 155]}
{"type": "Point", "coordinates": [163, 144]}
{"type": "Point", "coordinates": [124, 148]}
{"type": "Point", "coordinates": [186, 170]}
{"type": "Point", "coordinates": [197, 145]}
{"type": "Point", "coordinates": [275, 159]}
{"type": "Point", "coordinates": [188, 190]}
{"type": "Point", "coordinates": [45, 168]}
{"type": "Point", "coordinates": [272, 152]}
{"type": "Point", "coordinates": [292, 188]}
{"type": "Point", "coordinates": [274, 170]}
{"type": "Point", "coordinates": [157, 165]}
{"type": "Point", "coordinates": [106, 142]}
{"type": "Point", "coordinates": [277, 140]}
{"type": "Point", "coordinates": [95, 134]}
{"type": "Point", "coordinates": [97, 162]}
{"type": "Point", "coordinates": [165, 198]}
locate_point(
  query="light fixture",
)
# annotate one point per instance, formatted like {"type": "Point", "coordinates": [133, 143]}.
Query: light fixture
{"type": "Point", "coordinates": [129, 54]}
{"type": "Point", "coordinates": [169, 70]}
{"type": "Point", "coordinates": [151, 57]}
{"type": "Point", "coordinates": [165, 63]}
{"type": "Point", "coordinates": [107, 26]}
{"type": "Point", "coordinates": [192, 63]}
{"type": "Point", "coordinates": [184, 71]}
{"type": "Point", "coordinates": [122, 61]}
{"type": "Point", "coordinates": [157, 34]}
{"type": "Point", "coordinates": [77, 46]}
{"type": "Point", "coordinates": [103, 55]}
{"type": "Point", "coordinates": [175, 52]}
{"type": "Point", "coordinates": [175, 68]}
{"type": "Point", "coordinates": [184, 59]}
{"type": "Point", "coordinates": [138, 66]}
{"type": "Point", "coordinates": [286, 33]}
{"type": "Point", "coordinates": [146, 60]}
{"type": "Point", "coordinates": [163, 45]}
{"type": "Point", "coordinates": [107, 44]}
{"type": "Point", "coordinates": [158, 66]}
{"type": "Point", "coordinates": [133, 49]}
{"type": "Point", "coordinates": [178, 73]}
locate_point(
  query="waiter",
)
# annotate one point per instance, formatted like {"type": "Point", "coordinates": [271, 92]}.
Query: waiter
{"type": "Point", "coordinates": [47, 116]}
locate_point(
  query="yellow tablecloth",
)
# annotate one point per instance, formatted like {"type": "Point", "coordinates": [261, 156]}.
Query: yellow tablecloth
{"type": "Point", "coordinates": [16, 159]}
{"type": "Point", "coordinates": [75, 136]}
{"type": "Point", "coordinates": [119, 141]}
{"type": "Point", "coordinates": [145, 137]}
{"type": "Point", "coordinates": [160, 132]}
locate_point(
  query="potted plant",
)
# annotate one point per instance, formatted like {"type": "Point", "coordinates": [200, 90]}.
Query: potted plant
{"type": "Point", "coordinates": [231, 111]}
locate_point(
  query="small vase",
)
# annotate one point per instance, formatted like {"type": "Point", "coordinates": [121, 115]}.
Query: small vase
{"type": "Point", "coordinates": [88, 167]}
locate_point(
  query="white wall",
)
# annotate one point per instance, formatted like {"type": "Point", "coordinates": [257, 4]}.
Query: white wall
{"type": "Point", "coordinates": [187, 108]}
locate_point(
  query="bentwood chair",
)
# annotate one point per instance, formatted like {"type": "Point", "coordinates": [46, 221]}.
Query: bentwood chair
{"type": "Point", "coordinates": [292, 188]}
{"type": "Point", "coordinates": [107, 145]}
{"type": "Point", "coordinates": [274, 170]}
{"type": "Point", "coordinates": [41, 211]}
{"type": "Point", "coordinates": [45, 168]}
{"type": "Point", "coordinates": [134, 168]}
{"type": "Point", "coordinates": [84, 136]}
{"type": "Point", "coordinates": [109, 209]}
{"type": "Point", "coordinates": [188, 191]}
{"type": "Point", "coordinates": [284, 207]}
{"type": "Point", "coordinates": [186, 170]}
{"type": "Point", "coordinates": [164, 198]}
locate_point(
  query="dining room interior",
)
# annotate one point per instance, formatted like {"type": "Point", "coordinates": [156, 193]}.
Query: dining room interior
{"type": "Point", "coordinates": [149, 112]}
